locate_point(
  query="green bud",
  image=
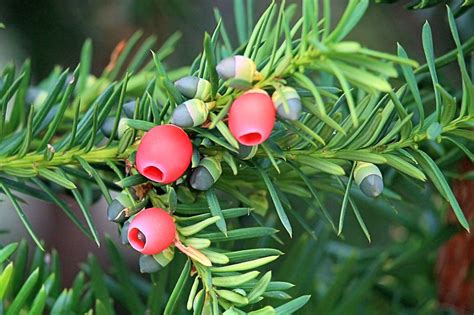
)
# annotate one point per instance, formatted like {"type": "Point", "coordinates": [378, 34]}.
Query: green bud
{"type": "Point", "coordinates": [108, 126]}
{"type": "Point", "coordinates": [206, 174]}
{"type": "Point", "coordinates": [191, 113]}
{"type": "Point", "coordinates": [369, 179]}
{"type": "Point", "coordinates": [148, 264]}
{"type": "Point", "coordinates": [117, 209]}
{"type": "Point", "coordinates": [129, 109]}
{"type": "Point", "coordinates": [194, 87]}
{"type": "Point", "coordinates": [287, 103]}
{"type": "Point", "coordinates": [124, 232]}
{"type": "Point", "coordinates": [240, 70]}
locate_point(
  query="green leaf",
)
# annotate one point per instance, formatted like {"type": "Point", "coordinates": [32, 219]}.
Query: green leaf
{"type": "Point", "coordinates": [276, 201]}
{"type": "Point", "coordinates": [461, 146]}
{"type": "Point", "coordinates": [93, 173]}
{"type": "Point", "coordinates": [26, 290]}
{"type": "Point", "coordinates": [404, 167]}
{"type": "Point", "coordinates": [56, 178]}
{"type": "Point", "coordinates": [5, 278]}
{"type": "Point", "coordinates": [468, 89]}
{"type": "Point", "coordinates": [435, 174]}
{"type": "Point", "coordinates": [354, 12]}
{"type": "Point", "coordinates": [216, 210]}
{"type": "Point", "coordinates": [234, 281]}
{"type": "Point", "coordinates": [199, 226]}
{"type": "Point", "coordinates": [123, 275]}
{"type": "Point", "coordinates": [98, 285]}
{"type": "Point", "coordinates": [7, 251]}
{"type": "Point", "coordinates": [211, 64]}
{"type": "Point", "coordinates": [21, 214]}
{"type": "Point", "coordinates": [239, 234]}
{"type": "Point", "coordinates": [245, 265]}
{"type": "Point", "coordinates": [323, 165]}
{"type": "Point", "coordinates": [240, 20]}
{"type": "Point", "coordinates": [361, 155]}
{"type": "Point", "coordinates": [123, 55]}
{"type": "Point", "coordinates": [345, 201]}
{"type": "Point", "coordinates": [292, 306]}
{"type": "Point", "coordinates": [178, 289]}
{"type": "Point", "coordinates": [260, 287]}
{"type": "Point", "coordinates": [429, 53]}
{"type": "Point", "coordinates": [85, 66]}
{"type": "Point", "coordinates": [250, 254]}
{"type": "Point", "coordinates": [87, 215]}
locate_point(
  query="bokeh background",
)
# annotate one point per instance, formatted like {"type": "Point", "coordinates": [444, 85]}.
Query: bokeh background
{"type": "Point", "coordinates": [51, 32]}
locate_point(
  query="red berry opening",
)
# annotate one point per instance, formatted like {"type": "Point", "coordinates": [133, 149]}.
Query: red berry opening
{"type": "Point", "coordinates": [164, 154]}
{"type": "Point", "coordinates": [137, 239]}
{"type": "Point", "coordinates": [250, 139]}
{"type": "Point", "coordinates": [153, 173]}
{"type": "Point", "coordinates": [251, 117]}
{"type": "Point", "coordinates": [151, 231]}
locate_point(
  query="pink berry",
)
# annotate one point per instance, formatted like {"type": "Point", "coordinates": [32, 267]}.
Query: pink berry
{"type": "Point", "coordinates": [251, 117]}
{"type": "Point", "coordinates": [164, 154]}
{"type": "Point", "coordinates": [151, 231]}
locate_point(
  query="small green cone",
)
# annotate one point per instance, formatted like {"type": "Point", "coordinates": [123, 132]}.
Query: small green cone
{"type": "Point", "coordinates": [148, 264]}
{"type": "Point", "coordinates": [287, 103]}
{"type": "Point", "coordinates": [206, 174]}
{"type": "Point", "coordinates": [191, 113]}
{"type": "Point", "coordinates": [108, 126]}
{"type": "Point", "coordinates": [117, 209]}
{"type": "Point", "coordinates": [369, 179]}
{"type": "Point", "coordinates": [129, 109]}
{"type": "Point", "coordinates": [239, 71]}
{"type": "Point", "coordinates": [194, 87]}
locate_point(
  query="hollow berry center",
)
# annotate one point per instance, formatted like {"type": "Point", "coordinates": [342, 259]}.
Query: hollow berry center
{"type": "Point", "coordinates": [138, 238]}
{"type": "Point", "coordinates": [153, 173]}
{"type": "Point", "coordinates": [252, 138]}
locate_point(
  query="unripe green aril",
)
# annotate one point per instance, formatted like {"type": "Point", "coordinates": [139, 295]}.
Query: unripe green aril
{"type": "Point", "coordinates": [194, 87]}
{"type": "Point", "coordinates": [247, 152]}
{"type": "Point", "coordinates": [129, 108]}
{"type": "Point", "coordinates": [117, 209]}
{"type": "Point", "coordinates": [287, 103]}
{"type": "Point", "coordinates": [369, 179]}
{"type": "Point", "coordinates": [124, 232]}
{"type": "Point", "coordinates": [191, 113]}
{"type": "Point", "coordinates": [108, 126]}
{"type": "Point", "coordinates": [148, 264]}
{"type": "Point", "coordinates": [206, 174]}
{"type": "Point", "coordinates": [240, 69]}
